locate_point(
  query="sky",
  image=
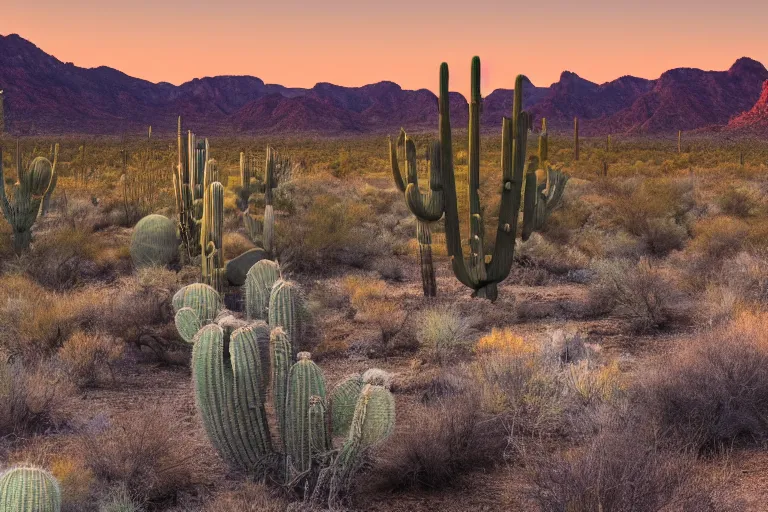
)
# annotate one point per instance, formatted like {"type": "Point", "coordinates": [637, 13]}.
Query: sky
{"type": "Point", "coordinates": [353, 43]}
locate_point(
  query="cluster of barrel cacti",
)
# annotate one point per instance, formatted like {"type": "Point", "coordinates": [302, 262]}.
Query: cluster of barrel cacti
{"type": "Point", "coordinates": [427, 207]}
{"type": "Point", "coordinates": [29, 489]}
{"type": "Point", "coordinates": [29, 197]}
{"type": "Point", "coordinates": [480, 271]}
{"type": "Point", "coordinates": [236, 362]}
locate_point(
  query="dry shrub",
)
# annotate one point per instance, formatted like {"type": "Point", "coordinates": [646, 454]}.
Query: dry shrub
{"type": "Point", "coordinates": [719, 238]}
{"type": "Point", "coordinates": [139, 310]}
{"type": "Point", "coordinates": [118, 499]}
{"type": "Point", "coordinates": [85, 356]}
{"type": "Point", "coordinates": [594, 384]}
{"type": "Point", "coordinates": [444, 333]}
{"type": "Point", "coordinates": [368, 298]}
{"type": "Point", "coordinates": [235, 244]}
{"type": "Point", "coordinates": [249, 497]}
{"type": "Point", "coordinates": [739, 202]}
{"type": "Point", "coordinates": [75, 479]}
{"type": "Point", "coordinates": [713, 393]}
{"type": "Point", "coordinates": [662, 236]}
{"type": "Point", "coordinates": [32, 399]}
{"type": "Point", "coordinates": [518, 380]}
{"type": "Point", "coordinates": [446, 440]}
{"type": "Point", "coordinates": [150, 453]}
{"type": "Point", "coordinates": [331, 230]}
{"type": "Point", "coordinates": [617, 472]}
{"type": "Point", "coordinates": [64, 259]}
{"type": "Point", "coordinates": [556, 259]}
{"type": "Point", "coordinates": [648, 297]}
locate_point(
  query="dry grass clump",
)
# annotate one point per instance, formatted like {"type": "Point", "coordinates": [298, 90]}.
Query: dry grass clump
{"type": "Point", "coordinates": [330, 230]}
{"type": "Point", "coordinates": [32, 398]}
{"type": "Point", "coordinates": [76, 481]}
{"type": "Point", "coordinates": [556, 259]}
{"type": "Point", "coordinates": [235, 244]}
{"type": "Point", "coordinates": [738, 201]}
{"type": "Point", "coordinates": [617, 472]}
{"type": "Point", "coordinates": [444, 333]}
{"type": "Point", "coordinates": [646, 296]}
{"type": "Point", "coordinates": [150, 453]}
{"type": "Point", "coordinates": [86, 356]}
{"type": "Point", "coordinates": [713, 393]}
{"type": "Point", "coordinates": [719, 237]}
{"type": "Point", "coordinates": [445, 441]}
{"type": "Point", "coordinates": [369, 299]}
{"type": "Point", "coordinates": [249, 497]}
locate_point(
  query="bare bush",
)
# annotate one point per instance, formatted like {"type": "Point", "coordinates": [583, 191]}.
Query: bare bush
{"type": "Point", "coordinates": [447, 440]}
{"type": "Point", "coordinates": [617, 473]}
{"type": "Point", "coordinates": [713, 393]}
{"type": "Point", "coordinates": [646, 296]}
{"type": "Point", "coordinates": [32, 399]}
{"type": "Point", "coordinates": [445, 333]}
{"type": "Point", "coordinates": [150, 453]}
{"type": "Point", "coordinates": [249, 497]}
{"type": "Point", "coordinates": [86, 356]}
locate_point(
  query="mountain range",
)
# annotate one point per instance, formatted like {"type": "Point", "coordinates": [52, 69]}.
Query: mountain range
{"type": "Point", "coordinates": [43, 95]}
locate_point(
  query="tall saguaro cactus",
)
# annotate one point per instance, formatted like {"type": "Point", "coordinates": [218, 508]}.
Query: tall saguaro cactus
{"type": "Point", "coordinates": [575, 138]}
{"type": "Point", "coordinates": [189, 188]}
{"type": "Point", "coordinates": [479, 271]}
{"type": "Point", "coordinates": [24, 202]}
{"type": "Point", "coordinates": [426, 207]}
{"type": "Point", "coordinates": [212, 228]}
{"type": "Point", "coordinates": [269, 211]}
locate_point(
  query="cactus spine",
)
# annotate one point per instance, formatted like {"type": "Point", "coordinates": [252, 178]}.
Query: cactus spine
{"type": "Point", "coordinates": [426, 207]}
{"type": "Point", "coordinates": [28, 489]}
{"type": "Point", "coordinates": [479, 272]}
{"type": "Point", "coordinates": [25, 200]}
{"type": "Point", "coordinates": [576, 138]}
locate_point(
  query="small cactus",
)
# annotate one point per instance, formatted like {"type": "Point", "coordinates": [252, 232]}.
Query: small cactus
{"type": "Point", "coordinates": [28, 489]}
{"type": "Point", "coordinates": [154, 241]}
{"type": "Point", "coordinates": [26, 200]}
{"type": "Point", "coordinates": [305, 380]}
{"type": "Point", "coordinates": [286, 310]}
{"type": "Point", "coordinates": [201, 298]}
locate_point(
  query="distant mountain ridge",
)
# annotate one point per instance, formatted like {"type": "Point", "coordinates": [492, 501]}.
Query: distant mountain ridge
{"type": "Point", "coordinates": [46, 96]}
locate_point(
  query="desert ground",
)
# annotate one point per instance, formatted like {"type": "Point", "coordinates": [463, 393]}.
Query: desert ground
{"type": "Point", "coordinates": [623, 367]}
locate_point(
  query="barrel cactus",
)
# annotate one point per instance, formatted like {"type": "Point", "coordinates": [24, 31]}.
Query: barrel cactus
{"type": "Point", "coordinates": [258, 288]}
{"type": "Point", "coordinates": [154, 241]}
{"type": "Point", "coordinates": [25, 201]}
{"type": "Point", "coordinates": [29, 489]}
{"type": "Point", "coordinates": [195, 306]}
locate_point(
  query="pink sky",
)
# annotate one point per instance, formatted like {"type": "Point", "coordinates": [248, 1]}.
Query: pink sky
{"type": "Point", "coordinates": [354, 43]}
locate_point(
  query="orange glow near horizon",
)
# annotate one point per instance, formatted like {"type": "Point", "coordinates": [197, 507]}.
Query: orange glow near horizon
{"type": "Point", "coordinates": [349, 43]}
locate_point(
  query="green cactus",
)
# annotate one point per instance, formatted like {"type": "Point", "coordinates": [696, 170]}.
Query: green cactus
{"type": "Point", "coordinates": [304, 381]}
{"type": "Point", "coordinates": [28, 489]}
{"type": "Point", "coordinates": [187, 324]}
{"type": "Point", "coordinates": [25, 201]}
{"type": "Point", "coordinates": [201, 298]}
{"type": "Point", "coordinates": [543, 144]}
{"type": "Point", "coordinates": [227, 395]}
{"type": "Point", "coordinates": [344, 399]}
{"type": "Point", "coordinates": [483, 272]}
{"type": "Point", "coordinates": [286, 310]}
{"type": "Point", "coordinates": [576, 138]}
{"type": "Point", "coordinates": [281, 365]}
{"type": "Point", "coordinates": [426, 207]}
{"type": "Point", "coordinates": [189, 187]}
{"type": "Point", "coordinates": [154, 241]}
{"type": "Point", "coordinates": [212, 230]}
{"type": "Point", "coordinates": [268, 230]}
{"type": "Point", "coordinates": [258, 288]}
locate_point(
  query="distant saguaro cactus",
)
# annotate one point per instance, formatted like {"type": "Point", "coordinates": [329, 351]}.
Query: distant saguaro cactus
{"type": "Point", "coordinates": [575, 138]}
{"type": "Point", "coordinates": [189, 188]}
{"type": "Point", "coordinates": [426, 207]}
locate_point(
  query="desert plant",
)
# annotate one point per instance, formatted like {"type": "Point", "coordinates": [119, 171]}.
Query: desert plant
{"type": "Point", "coordinates": [259, 282]}
{"type": "Point", "coordinates": [154, 241]}
{"type": "Point", "coordinates": [478, 273]}
{"type": "Point", "coordinates": [85, 355]}
{"type": "Point", "coordinates": [29, 489]}
{"type": "Point", "coordinates": [189, 185]}
{"type": "Point", "coordinates": [27, 199]}
{"type": "Point", "coordinates": [212, 229]}
{"type": "Point", "coordinates": [444, 332]}
{"type": "Point", "coordinates": [233, 362]}
{"type": "Point", "coordinates": [575, 138]}
{"type": "Point", "coordinates": [426, 207]}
